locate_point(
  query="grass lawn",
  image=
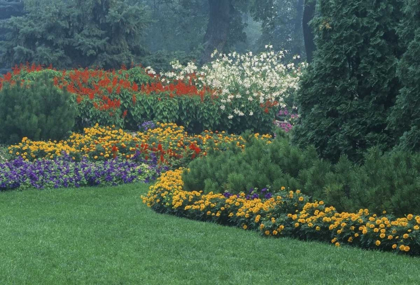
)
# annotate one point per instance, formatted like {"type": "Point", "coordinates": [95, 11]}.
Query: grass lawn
{"type": "Point", "coordinates": [107, 236]}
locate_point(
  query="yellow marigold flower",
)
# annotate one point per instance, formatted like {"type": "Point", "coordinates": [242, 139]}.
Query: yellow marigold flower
{"type": "Point", "coordinates": [282, 188]}
{"type": "Point", "coordinates": [394, 246]}
{"type": "Point", "coordinates": [390, 237]}
{"type": "Point", "coordinates": [296, 225]}
{"type": "Point", "coordinates": [416, 227]}
{"type": "Point", "coordinates": [262, 226]}
{"type": "Point", "coordinates": [337, 244]}
{"type": "Point", "coordinates": [402, 247]}
{"type": "Point", "coordinates": [244, 227]}
{"type": "Point", "coordinates": [405, 236]}
{"type": "Point", "coordinates": [378, 243]}
{"type": "Point", "coordinates": [406, 248]}
{"type": "Point", "coordinates": [382, 235]}
{"type": "Point", "coordinates": [350, 239]}
{"type": "Point", "coordinates": [267, 233]}
{"type": "Point", "coordinates": [409, 217]}
{"type": "Point", "coordinates": [275, 232]}
{"type": "Point", "coordinates": [317, 228]}
{"type": "Point", "coordinates": [301, 199]}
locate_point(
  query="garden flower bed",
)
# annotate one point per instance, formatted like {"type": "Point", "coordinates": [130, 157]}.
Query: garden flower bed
{"type": "Point", "coordinates": [64, 172]}
{"type": "Point", "coordinates": [286, 213]}
{"type": "Point", "coordinates": [166, 140]}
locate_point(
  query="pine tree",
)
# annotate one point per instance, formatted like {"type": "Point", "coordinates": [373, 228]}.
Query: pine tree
{"type": "Point", "coordinates": [349, 88]}
{"type": "Point", "coordinates": [37, 110]}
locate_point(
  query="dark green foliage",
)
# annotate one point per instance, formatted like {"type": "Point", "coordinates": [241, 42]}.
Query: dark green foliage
{"type": "Point", "coordinates": [104, 33]}
{"type": "Point", "coordinates": [275, 165]}
{"type": "Point", "coordinates": [38, 110]}
{"type": "Point", "coordinates": [137, 75]}
{"type": "Point", "coordinates": [405, 117]}
{"type": "Point", "coordinates": [178, 26]}
{"type": "Point", "coordinates": [348, 90]}
{"type": "Point", "coordinates": [161, 60]}
{"type": "Point", "coordinates": [388, 182]}
{"type": "Point", "coordinates": [281, 25]}
{"type": "Point", "coordinates": [196, 114]}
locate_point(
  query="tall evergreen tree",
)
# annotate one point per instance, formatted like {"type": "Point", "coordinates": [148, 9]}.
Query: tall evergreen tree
{"type": "Point", "coordinates": [348, 90]}
{"type": "Point", "coordinates": [405, 118]}
{"type": "Point", "coordinates": [66, 33]}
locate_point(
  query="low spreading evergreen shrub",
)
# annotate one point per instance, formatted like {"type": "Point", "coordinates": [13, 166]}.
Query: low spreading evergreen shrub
{"type": "Point", "coordinates": [37, 110]}
{"type": "Point", "coordinates": [388, 182]}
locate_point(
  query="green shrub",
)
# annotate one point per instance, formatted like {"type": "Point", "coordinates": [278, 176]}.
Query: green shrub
{"type": "Point", "coordinates": [388, 182]}
{"type": "Point", "coordinates": [37, 110]}
{"type": "Point", "coordinates": [39, 75]}
{"type": "Point", "coordinates": [137, 75]}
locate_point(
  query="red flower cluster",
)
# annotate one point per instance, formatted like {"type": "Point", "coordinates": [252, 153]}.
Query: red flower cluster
{"type": "Point", "coordinates": [195, 148]}
{"type": "Point", "coordinates": [96, 85]}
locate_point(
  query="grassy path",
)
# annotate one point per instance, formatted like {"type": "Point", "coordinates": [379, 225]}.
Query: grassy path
{"type": "Point", "coordinates": [107, 236]}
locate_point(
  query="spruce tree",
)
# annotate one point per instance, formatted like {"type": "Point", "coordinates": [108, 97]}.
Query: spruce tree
{"type": "Point", "coordinates": [74, 33]}
{"type": "Point", "coordinates": [349, 88]}
{"type": "Point", "coordinates": [405, 117]}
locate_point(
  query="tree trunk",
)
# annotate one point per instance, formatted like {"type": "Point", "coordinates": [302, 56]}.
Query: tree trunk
{"type": "Point", "coordinates": [298, 27]}
{"type": "Point", "coordinates": [308, 36]}
{"type": "Point", "coordinates": [217, 28]}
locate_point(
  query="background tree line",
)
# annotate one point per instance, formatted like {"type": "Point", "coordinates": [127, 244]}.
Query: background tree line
{"type": "Point", "coordinates": [108, 33]}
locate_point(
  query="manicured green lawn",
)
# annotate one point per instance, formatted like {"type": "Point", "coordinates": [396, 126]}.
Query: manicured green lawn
{"type": "Point", "coordinates": [107, 236]}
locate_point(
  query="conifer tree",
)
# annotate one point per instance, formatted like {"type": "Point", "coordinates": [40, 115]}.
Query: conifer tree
{"type": "Point", "coordinates": [405, 117]}
{"type": "Point", "coordinates": [349, 88]}
{"type": "Point", "coordinates": [37, 110]}
{"type": "Point", "coordinates": [73, 33]}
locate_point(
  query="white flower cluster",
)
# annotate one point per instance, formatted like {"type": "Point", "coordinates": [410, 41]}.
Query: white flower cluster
{"type": "Point", "coordinates": [263, 77]}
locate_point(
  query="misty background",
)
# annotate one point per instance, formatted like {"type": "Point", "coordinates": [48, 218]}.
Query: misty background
{"type": "Point", "coordinates": [109, 33]}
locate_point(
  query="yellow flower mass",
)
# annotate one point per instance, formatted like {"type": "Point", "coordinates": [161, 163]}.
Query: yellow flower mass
{"type": "Point", "coordinates": [265, 215]}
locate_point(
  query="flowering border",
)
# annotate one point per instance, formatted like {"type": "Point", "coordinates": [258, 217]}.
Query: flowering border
{"type": "Point", "coordinates": [286, 213]}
